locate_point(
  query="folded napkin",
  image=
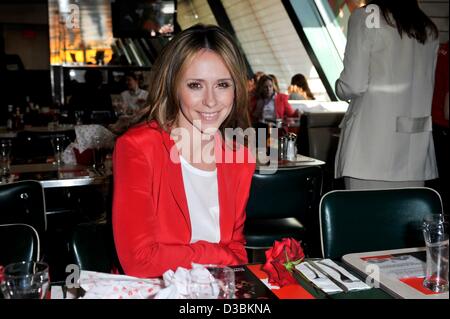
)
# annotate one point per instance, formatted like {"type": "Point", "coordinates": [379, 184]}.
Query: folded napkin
{"type": "Point", "coordinates": [323, 283]}
{"type": "Point", "coordinates": [189, 283]}
{"type": "Point", "coordinates": [329, 267]}
{"type": "Point", "coordinates": [93, 136]}
{"type": "Point", "coordinates": [109, 286]}
{"type": "Point", "coordinates": [90, 136]}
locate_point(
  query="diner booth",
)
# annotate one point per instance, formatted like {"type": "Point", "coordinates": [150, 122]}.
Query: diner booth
{"type": "Point", "coordinates": [61, 111]}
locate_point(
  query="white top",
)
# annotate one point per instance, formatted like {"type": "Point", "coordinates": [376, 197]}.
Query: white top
{"type": "Point", "coordinates": [130, 99]}
{"type": "Point", "coordinates": [202, 196]}
{"type": "Point", "coordinates": [386, 132]}
{"type": "Point", "coordinates": [269, 110]}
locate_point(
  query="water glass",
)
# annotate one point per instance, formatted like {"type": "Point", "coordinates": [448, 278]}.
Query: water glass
{"type": "Point", "coordinates": [212, 282]}
{"type": "Point", "coordinates": [435, 231]}
{"type": "Point", "coordinates": [225, 280]}
{"type": "Point", "coordinates": [5, 160]}
{"type": "Point", "coordinates": [58, 143]}
{"type": "Point", "coordinates": [25, 280]}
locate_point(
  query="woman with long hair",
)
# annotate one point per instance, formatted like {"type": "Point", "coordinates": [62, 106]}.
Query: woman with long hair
{"type": "Point", "coordinates": [388, 78]}
{"type": "Point", "coordinates": [267, 105]}
{"type": "Point", "coordinates": [299, 88]}
{"type": "Point", "coordinates": [176, 201]}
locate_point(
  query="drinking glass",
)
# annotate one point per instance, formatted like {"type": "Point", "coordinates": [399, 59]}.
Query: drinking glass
{"type": "Point", "coordinates": [5, 160]}
{"type": "Point", "coordinates": [58, 143]}
{"type": "Point", "coordinates": [225, 280]}
{"type": "Point", "coordinates": [435, 231]}
{"type": "Point", "coordinates": [99, 152]}
{"type": "Point", "coordinates": [25, 280]}
{"type": "Point", "coordinates": [212, 282]}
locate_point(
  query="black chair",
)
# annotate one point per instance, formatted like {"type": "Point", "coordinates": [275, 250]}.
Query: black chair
{"type": "Point", "coordinates": [354, 221]}
{"type": "Point", "coordinates": [23, 202]}
{"type": "Point", "coordinates": [18, 242]}
{"type": "Point", "coordinates": [92, 248]}
{"type": "Point", "coordinates": [283, 205]}
{"type": "Point", "coordinates": [318, 138]}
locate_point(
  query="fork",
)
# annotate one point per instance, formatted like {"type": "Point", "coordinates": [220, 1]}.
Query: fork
{"type": "Point", "coordinates": [342, 276]}
{"type": "Point", "coordinates": [312, 270]}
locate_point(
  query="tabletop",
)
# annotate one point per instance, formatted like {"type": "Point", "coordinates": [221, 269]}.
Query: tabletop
{"type": "Point", "coordinates": [399, 272]}
{"type": "Point", "coordinates": [300, 162]}
{"type": "Point", "coordinates": [51, 175]}
{"type": "Point", "coordinates": [251, 283]}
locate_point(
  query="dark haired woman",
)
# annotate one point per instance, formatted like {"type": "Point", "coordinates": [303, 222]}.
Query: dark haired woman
{"type": "Point", "coordinates": [299, 88]}
{"type": "Point", "coordinates": [267, 105]}
{"type": "Point", "coordinates": [389, 65]}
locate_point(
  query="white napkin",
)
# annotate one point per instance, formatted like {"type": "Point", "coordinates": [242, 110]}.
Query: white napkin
{"type": "Point", "coordinates": [93, 136]}
{"type": "Point", "coordinates": [109, 286]}
{"type": "Point", "coordinates": [179, 284]}
{"type": "Point", "coordinates": [322, 282]}
{"type": "Point", "coordinates": [356, 284]}
{"type": "Point", "coordinates": [325, 283]}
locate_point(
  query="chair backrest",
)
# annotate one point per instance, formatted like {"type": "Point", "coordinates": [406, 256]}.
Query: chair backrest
{"type": "Point", "coordinates": [318, 140]}
{"type": "Point", "coordinates": [23, 202]}
{"type": "Point", "coordinates": [91, 247]}
{"type": "Point", "coordinates": [18, 242]}
{"type": "Point", "coordinates": [369, 220]}
{"type": "Point", "coordinates": [286, 193]}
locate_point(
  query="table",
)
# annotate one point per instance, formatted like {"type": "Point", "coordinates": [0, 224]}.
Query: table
{"type": "Point", "coordinates": [251, 283]}
{"type": "Point", "coordinates": [301, 161]}
{"type": "Point", "coordinates": [51, 175]}
{"type": "Point", "coordinates": [407, 288]}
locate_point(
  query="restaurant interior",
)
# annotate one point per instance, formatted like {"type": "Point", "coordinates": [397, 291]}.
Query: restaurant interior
{"type": "Point", "coordinates": [65, 66]}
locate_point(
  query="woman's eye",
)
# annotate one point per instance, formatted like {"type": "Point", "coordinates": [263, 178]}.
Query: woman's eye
{"type": "Point", "coordinates": [194, 85]}
{"type": "Point", "coordinates": [224, 85]}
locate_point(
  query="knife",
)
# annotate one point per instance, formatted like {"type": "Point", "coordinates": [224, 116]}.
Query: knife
{"type": "Point", "coordinates": [334, 280]}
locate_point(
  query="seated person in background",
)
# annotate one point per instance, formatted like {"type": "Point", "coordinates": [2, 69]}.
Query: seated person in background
{"type": "Point", "coordinates": [134, 98]}
{"type": "Point", "coordinates": [299, 88]}
{"type": "Point", "coordinates": [92, 97]}
{"type": "Point", "coordinates": [276, 86]}
{"type": "Point", "coordinates": [267, 105]}
{"type": "Point", "coordinates": [175, 201]}
{"type": "Point", "coordinates": [252, 82]}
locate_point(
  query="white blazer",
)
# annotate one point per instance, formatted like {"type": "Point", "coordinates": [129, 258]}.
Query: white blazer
{"type": "Point", "coordinates": [386, 131]}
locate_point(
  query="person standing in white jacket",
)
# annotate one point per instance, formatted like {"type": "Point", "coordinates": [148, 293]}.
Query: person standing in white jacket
{"type": "Point", "coordinates": [390, 58]}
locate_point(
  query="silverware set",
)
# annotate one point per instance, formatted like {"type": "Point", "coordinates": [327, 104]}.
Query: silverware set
{"type": "Point", "coordinates": [321, 272]}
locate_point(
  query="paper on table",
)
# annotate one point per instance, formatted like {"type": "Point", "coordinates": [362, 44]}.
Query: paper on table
{"type": "Point", "coordinates": [355, 285]}
{"type": "Point", "coordinates": [403, 266]}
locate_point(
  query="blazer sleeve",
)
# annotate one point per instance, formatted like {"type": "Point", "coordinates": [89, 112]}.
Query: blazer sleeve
{"type": "Point", "coordinates": [135, 221]}
{"type": "Point", "coordinates": [354, 79]}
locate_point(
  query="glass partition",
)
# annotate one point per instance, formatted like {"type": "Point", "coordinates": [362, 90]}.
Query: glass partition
{"type": "Point", "coordinates": [324, 23]}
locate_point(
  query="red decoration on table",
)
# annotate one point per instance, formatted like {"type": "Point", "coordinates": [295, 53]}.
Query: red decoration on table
{"type": "Point", "coordinates": [281, 260]}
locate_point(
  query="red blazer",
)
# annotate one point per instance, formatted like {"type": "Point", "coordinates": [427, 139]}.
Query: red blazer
{"type": "Point", "coordinates": [151, 223]}
{"type": "Point", "coordinates": [282, 107]}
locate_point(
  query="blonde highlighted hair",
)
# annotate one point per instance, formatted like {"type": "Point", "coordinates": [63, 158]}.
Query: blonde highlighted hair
{"type": "Point", "coordinates": [163, 102]}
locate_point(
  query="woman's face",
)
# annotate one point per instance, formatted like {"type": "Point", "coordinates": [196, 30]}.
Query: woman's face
{"type": "Point", "coordinates": [268, 88]}
{"type": "Point", "coordinates": [206, 93]}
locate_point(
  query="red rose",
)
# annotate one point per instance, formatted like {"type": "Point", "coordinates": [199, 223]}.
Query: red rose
{"type": "Point", "coordinates": [281, 260]}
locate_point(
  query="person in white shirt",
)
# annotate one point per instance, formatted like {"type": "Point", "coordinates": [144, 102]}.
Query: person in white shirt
{"type": "Point", "coordinates": [389, 65]}
{"type": "Point", "coordinates": [134, 98]}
